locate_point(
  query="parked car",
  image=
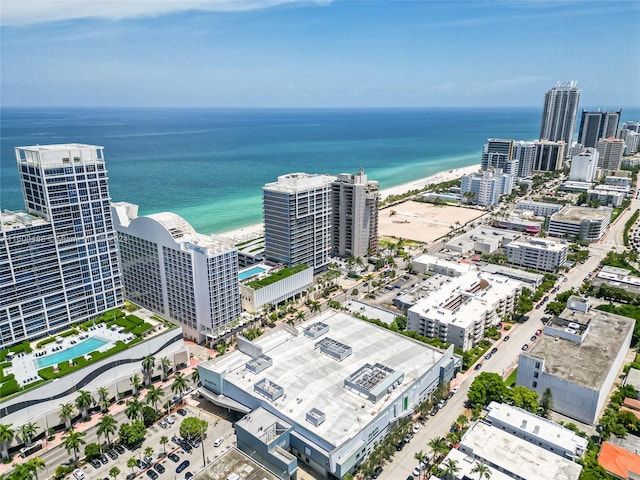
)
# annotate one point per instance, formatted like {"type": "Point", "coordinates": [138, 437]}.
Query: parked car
{"type": "Point", "coordinates": [78, 474]}
{"type": "Point", "coordinates": [104, 459]}
{"type": "Point", "coordinates": [494, 350]}
{"type": "Point", "coordinates": [112, 454]}
{"type": "Point", "coordinates": [169, 420]}
{"type": "Point", "coordinates": [538, 332]}
{"type": "Point", "coordinates": [434, 411]}
{"type": "Point", "coordinates": [163, 424]}
{"type": "Point", "coordinates": [182, 466]}
{"type": "Point", "coordinates": [478, 366]}
{"type": "Point", "coordinates": [188, 475]}
{"type": "Point", "coordinates": [417, 427]}
{"type": "Point", "coordinates": [95, 463]}
{"type": "Point", "coordinates": [152, 474]}
{"type": "Point", "coordinates": [456, 389]}
{"type": "Point", "coordinates": [533, 338]}
{"type": "Point", "coordinates": [176, 439]}
{"type": "Point", "coordinates": [218, 441]}
{"type": "Point", "coordinates": [173, 457]}
{"type": "Point", "coordinates": [487, 356]}
{"type": "Point", "coordinates": [377, 472]}
{"type": "Point", "coordinates": [182, 412]}
{"type": "Point", "coordinates": [142, 464]}
{"type": "Point", "coordinates": [506, 338]}
{"type": "Point", "coordinates": [525, 346]}
{"type": "Point", "coordinates": [159, 468]}
{"type": "Point", "coordinates": [119, 448]}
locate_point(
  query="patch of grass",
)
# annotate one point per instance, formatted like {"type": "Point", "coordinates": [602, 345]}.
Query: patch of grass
{"type": "Point", "coordinates": [276, 277]}
{"type": "Point", "coordinates": [511, 379]}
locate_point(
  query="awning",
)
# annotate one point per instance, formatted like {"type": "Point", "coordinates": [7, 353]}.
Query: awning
{"type": "Point", "coordinates": [223, 401]}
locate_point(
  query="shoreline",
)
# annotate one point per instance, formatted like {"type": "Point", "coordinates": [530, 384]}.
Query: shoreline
{"type": "Point", "coordinates": [255, 230]}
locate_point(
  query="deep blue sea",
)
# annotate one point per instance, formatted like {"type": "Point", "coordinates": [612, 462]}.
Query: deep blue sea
{"type": "Point", "coordinates": [209, 165]}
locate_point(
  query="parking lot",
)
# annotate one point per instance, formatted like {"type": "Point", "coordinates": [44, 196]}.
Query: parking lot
{"type": "Point", "coordinates": [177, 459]}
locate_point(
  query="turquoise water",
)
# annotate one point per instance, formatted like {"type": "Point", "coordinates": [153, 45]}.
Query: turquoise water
{"type": "Point", "coordinates": [252, 271]}
{"type": "Point", "coordinates": [209, 165]}
{"type": "Point", "coordinates": [89, 345]}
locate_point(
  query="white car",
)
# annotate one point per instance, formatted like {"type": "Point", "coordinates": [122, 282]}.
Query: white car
{"type": "Point", "coordinates": [417, 427]}
{"type": "Point", "coordinates": [456, 389]}
{"type": "Point", "coordinates": [218, 441]}
{"type": "Point", "coordinates": [79, 474]}
{"type": "Point", "coordinates": [169, 420]}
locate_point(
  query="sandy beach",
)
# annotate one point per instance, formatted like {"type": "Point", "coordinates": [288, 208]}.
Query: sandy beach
{"type": "Point", "coordinates": [410, 229]}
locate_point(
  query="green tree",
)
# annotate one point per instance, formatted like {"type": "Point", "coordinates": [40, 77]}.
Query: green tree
{"type": "Point", "coordinates": [193, 427]}
{"type": "Point", "coordinates": [136, 384]}
{"type": "Point", "coordinates": [314, 306]}
{"type": "Point", "coordinates": [482, 470]}
{"type": "Point", "coordinates": [163, 441]}
{"type": "Point", "coordinates": [165, 364]}
{"type": "Point", "coordinates": [133, 410]}
{"type": "Point", "coordinates": [72, 441]}
{"type": "Point", "coordinates": [148, 362]}
{"type": "Point", "coordinates": [67, 412]}
{"type": "Point", "coordinates": [148, 452]}
{"type": "Point", "coordinates": [103, 399]}
{"type": "Point", "coordinates": [114, 472]}
{"type": "Point", "coordinates": [451, 468]}
{"type": "Point", "coordinates": [486, 388]}
{"type": "Point", "coordinates": [149, 415]}
{"type": "Point", "coordinates": [83, 402]}
{"type": "Point", "coordinates": [6, 434]}
{"type": "Point", "coordinates": [461, 422]}
{"type": "Point", "coordinates": [179, 384]}
{"type": "Point", "coordinates": [33, 464]}
{"type": "Point", "coordinates": [132, 434]}
{"type": "Point", "coordinates": [92, 450]}
{"type": "Point", "coordinates": [439, 446]}
{"type": "Point", "coordinates": [132, 463]}
{"type": "Point", "coordinates": [546, 403]}
{"type": "Point", "coordinates": [154, 395]}
{"type": "Point", "coordinates": [27, 431]}
{"type": "Point", "coordinates": [107, 426]}
{"type": "Point", "coordinates": [522, 397]}
{"type": "Point", "coordinates": [195, 376]}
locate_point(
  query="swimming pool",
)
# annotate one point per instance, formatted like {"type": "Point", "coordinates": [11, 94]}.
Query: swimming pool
{"type": "Point", "coordinates": [89, 345]}
{"type": "Point", "coordinates": [251, 272]}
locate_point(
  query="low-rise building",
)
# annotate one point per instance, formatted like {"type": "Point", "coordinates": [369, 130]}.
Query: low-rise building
{"type": "Point", "coordinates": [547, 434]}
{"type": "Point", "coordinates": [323, 392]}
{"type": "Point", "coordinates": [606, 197]}
{"type": "Point", "coordinates": [273, 286]}
{"type": "Point", "coordinates": [463, 307]}
{"type": "Point", "coordinates": [619, 462]}
{"type": "Point", "coordinates": [583, 223]}
{"type": "Point", "coordinates": [512, 222]}
{"type": "Point", "coordinates": [536, 253]}
{"type": "Point", "coordinates": [539, 209]}
{"type": "Point", "coordinates": [618, 180]}
{"type": "Point", "coordinates": [482, 239]}
{"type": "Point", "coordinates": [442, 266]}
{"type": "Point", "coordinates": [533, 280]}
{"type": "Point", "coordinates": [510, 455]}
{"type": "Point", "coordinates": [578, 357]}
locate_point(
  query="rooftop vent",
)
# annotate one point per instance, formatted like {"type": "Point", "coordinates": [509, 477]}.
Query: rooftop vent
{"type": "Point", "coordinates": [315, 417]}
{"type": "Point", "coordinates": [333, 348]}
{"type": "Point", "coordinates": [258, 364]}
{"type": "Point", "coordinates": [268, 389]}
{"type": "Point", "coordinates": [316, 330]}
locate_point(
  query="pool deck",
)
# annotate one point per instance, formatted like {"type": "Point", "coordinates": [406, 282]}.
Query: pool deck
{"type": "Point", "coordinates": [24, 365]}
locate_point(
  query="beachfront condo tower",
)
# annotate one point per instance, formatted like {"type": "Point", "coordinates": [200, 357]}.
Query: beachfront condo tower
{"type": "Point", "coordinates": [355, 215]}
{"type": "Point", "coordinates": [58, 259]}
{"type": "Point", "coordinates": [525, 153]}
{"type": "Point", "coordinates": [559, 114]}
{"type": "Point", "coordinates": [172, 270]}
{"type": "Point", "coordinates": [597, 125]}
{"type": "Point", "coordinates": [549, 156]}
{"type": "Point", "coordinates": [298, 219]}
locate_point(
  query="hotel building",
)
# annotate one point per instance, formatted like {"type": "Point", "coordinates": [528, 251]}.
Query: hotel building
{"type": "Point", "coordinates": [487, 187]}
{"type": "Point", "coordinates": [559, 113]}
{"type": "Point", "coordinates": [59, 259]}
{"type": "Point", "coordinates": [584, 166]}
{"type": "Point", "coordinates": [298, 220]}
{"type": "Point", "coordinates": [184, 276]}
{"type": "Point", "coordinates": [355, 215]}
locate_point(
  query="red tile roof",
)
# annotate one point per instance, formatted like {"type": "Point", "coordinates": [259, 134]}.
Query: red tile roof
{"type": "Point", "coordinates": [632, 403]}
{"type": "Point", "coordinates": [618, 461]}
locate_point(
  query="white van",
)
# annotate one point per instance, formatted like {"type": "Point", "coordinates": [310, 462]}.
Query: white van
{"type": "Point", "coordinates": [218, 441]}
{"type": "Point", "coordinates": [78, 474]}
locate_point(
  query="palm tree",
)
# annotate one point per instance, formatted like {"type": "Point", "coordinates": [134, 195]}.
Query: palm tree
{"type": "Point", "coordinates": [33, 464]}
{"type": "Point", "coordinates": [195, 376]}
{"type": "Point", "coordinates": [482, 470]}
{"type": "Point", "coordinates": [179, 384]}
{"type": "Point", "coordinates": [462, 422]}
{"type": "Point", "coordinates": [167, 406]}
{"type": "Point", "coordinates": [114, 472]}
{"type": "Point", "coordinates": [107, 426]}
{"type": "Point", "coordinates": [136, 383]}
{"type": "Point", "coordinates": [300, 316]}
{"type": "Point", "coordinates": [84, 401]}
{"type": "Point", "coordinates": [451, 468]}
{"type": "Point", "coordinates": [73, 441]}
{"type": "Point", "coordinates": [6, 434]}
{"type": "Point", "coordinates": [154, 395]}
{"type": "Point", "coordinates": [132, 464]}
{"type": "Point", "coordinates": [148, 452]}
{"type": "Point", "coordinates": [163, 441]}
{"type": "Point", "coordinates": [148, 363]}
{"type": "Point", "coordinates": [133, 410]}
{"type": "Point", "coordinates": [67, 412]}
{"type": "Point", "coordinates": [419, 456]}
{"type": "Point", "coordinates": [165, 364]}
{"type": "Point", "coordinates": [439, 446]}
{"type": "Point", "coordinates": [103, 399]}
{"type": "Point", "coordinates": [314, 306]}
{"type": "Point", "coordinates": [27, 431]}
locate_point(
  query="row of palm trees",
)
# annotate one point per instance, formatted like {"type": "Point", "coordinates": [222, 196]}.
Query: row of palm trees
{"type": "Point", "coordinates": [84, 401]}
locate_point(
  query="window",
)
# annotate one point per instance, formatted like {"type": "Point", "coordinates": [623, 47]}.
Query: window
{"type": "Point", "coordinates": [535, 374]}
{"type": "Point", "coordinates": [535, 384]}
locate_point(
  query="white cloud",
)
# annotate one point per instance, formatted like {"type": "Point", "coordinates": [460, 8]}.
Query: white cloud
{"type": "Point", "coordinates": [23, 12]}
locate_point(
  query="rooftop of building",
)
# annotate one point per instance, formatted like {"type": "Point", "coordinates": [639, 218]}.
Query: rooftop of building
{"type": "Point", "coordinates": [484, 233]}
{"type": "Point", "coordinates": [310, 379]}
{"type": "Point", "coordinates": [299, 182]}
{"type": "Point", "coordinates": [539, 243]}
{"type": "Point", "coordinates": [274, 276]}
{"type": "Point", "coordinates": [467, 463]}
{"type": "Point", "coordinates": [463, 300]}
{"type": "Point", "coordinates": [619, 462]}
{"type": "Point", "coordinates": [10, 221]}
{"type": "Point", "coordinates": [618, 276]}
{"type": "Point", "coordinates": [529, 277]}
{"type": "Point", "coordinates": [586, 363]}
{"type": "Point", "coordinates": [57, 147]}
{"type": "Point", "coordinates": [573, 214]}
{"type": "Point", "coordinates": [235, 461]}
{"type": "Point", "coordinates": [633, 378]}
{"type": "Point", "coordinates": [536, 426]}
{"type": "Point", "coordinates": [516, 455]}
{"type": "Point", "coordinates": [427, 259]}
{"type": "Point", "coordinates": [538, 204]}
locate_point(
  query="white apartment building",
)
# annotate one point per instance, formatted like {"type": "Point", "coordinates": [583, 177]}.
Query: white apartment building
{"type": "Point", "coordinates": [463, 307]}
{"type": "Point", "coordinates": [59, 259]}
{"type": "Point", "coordinates": [525, 153]}
{"type": "Point", "coordinates": [274, 287]}
{"type": "Point", "coordinates": [355, 215]}
{"type": "Point", "coordinates": [584, 223]}
{"type": "Point", "coordinates": [539, 209]}
{"type": "Point", "coordinates": [536, 253]}
{"type": "Point", "coordinates": [547, 434]}
{"type": "Point", "coordinates": [607, 196]}
{"type": "Point", "coordinates": [617, 181]}
{"type": "Point", "coordinates": [584, 166]}
{"type": "Point", "coordinates": [298, 220]}
{"type": "Point", "coordinates": [487, 187]}
{"type": "Point", "coordinates": [631, 141]}
{"type": "Point", "coordinates": [184, 276]}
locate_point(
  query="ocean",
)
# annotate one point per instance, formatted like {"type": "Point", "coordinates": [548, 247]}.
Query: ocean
{"type": "Point", "coordinates": [209, 165]}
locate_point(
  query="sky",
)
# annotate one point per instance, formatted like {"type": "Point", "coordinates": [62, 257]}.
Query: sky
{"type": "Point", "coordinates": [342, 53]}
